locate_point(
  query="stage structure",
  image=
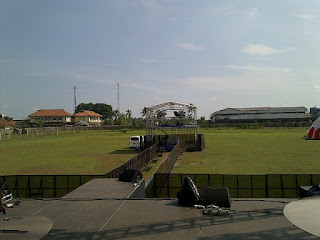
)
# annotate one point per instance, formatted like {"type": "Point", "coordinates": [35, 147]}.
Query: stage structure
{"type": "Point", "coordinates": [171, 115]}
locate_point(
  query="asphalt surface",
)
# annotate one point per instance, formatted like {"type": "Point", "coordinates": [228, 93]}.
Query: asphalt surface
{"type": "Point", "coordinates": [100, 209]}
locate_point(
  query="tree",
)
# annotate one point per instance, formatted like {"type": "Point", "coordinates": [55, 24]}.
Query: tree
{"type": "Point", "coordinates": [144, 112]}
{"type": "Point", "coordinates": [129, 114]}
{"type": "Point", "coordinates": [161, 113]}
{"type": "Point", "coordinates": [104, 109]}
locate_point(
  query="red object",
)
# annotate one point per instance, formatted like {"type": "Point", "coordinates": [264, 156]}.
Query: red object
{"type": "Point", "coordinates": [317, 134]}
{"type": "Point", "coordinates": [310, 133]}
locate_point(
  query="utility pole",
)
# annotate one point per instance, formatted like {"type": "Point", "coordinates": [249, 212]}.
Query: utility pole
{"type": "Point", "coordinates": [74, 99]}
{"type": "Point", "coordinates": [118, 95]}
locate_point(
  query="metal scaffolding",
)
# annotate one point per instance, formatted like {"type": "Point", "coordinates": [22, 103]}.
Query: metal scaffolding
{"type": "Point", "coordinates": [171, 115]}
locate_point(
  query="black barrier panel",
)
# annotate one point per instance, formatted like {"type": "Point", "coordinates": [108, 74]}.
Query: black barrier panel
{"type": "Point", "coordinates": [150, 191]}
{"type": "Point", "coordinates": [85, 179]}
{"type": "Point", "coordinates": [216, 180]}
{"type": "Point", "coordinates": [45, 186]}
{"type": "Point", "coordinates": [259, 182]}
{"type": "Point", "coordinates": [48, 182]}
{"type": "Point", "coordinates": [231, 181]}
{"type": "Point", "coordinates": [274, 181]}
{"type": "Point", "coordinates": [258, 193]}
{"type": "Point", "coordinates": [304, 180]}
{"type": "Point", "coordinates": [175, 180]}
{"type": "Point", "coordinates": [202, 180]}
{"type": "Point", "coordinates": [62, 182]}
{"type": "Point", "coordinates": [289, 181]}
{"type": "Point", "coordinates": [74, 182]}
{"type": "Point", "coordinates": [315, 179]}
{"type": "Point", "coordinates": [245, 181]}
{"type": "Point", "coordinates": [240, 186]}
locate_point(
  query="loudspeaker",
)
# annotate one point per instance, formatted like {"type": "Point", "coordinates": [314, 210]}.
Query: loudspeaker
{"type": "Point", "coordinates": [217, 196]}
{"type": "Point", "coordinates": [309, 191]}
{"type": "Point", "coordinates": [188, 195]}
{"type": "Point", "coordinates": [130, 175]}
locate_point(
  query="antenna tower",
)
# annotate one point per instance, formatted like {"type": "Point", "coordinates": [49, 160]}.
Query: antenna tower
{"type": "Point", "coordinates": [118, 95]}
{"type": "Point", "coordinates": [74, 99]}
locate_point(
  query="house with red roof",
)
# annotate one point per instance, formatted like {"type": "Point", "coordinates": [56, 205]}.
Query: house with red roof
{"type": "Point", "coordinates": [51, 117]}
{"type": "Point", "coordinates": [89, 117]}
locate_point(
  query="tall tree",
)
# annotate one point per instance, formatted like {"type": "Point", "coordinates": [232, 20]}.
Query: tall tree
{"type": "Point", "coordinates": [129, 114]}
{"type": "Point", "coordinates": [144, 112]}
{"type": "Point", "coordinates": [104, 109]}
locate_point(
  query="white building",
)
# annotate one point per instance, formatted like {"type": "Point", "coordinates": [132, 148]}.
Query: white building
{"type": "Point", "coordinates": [259, 114]}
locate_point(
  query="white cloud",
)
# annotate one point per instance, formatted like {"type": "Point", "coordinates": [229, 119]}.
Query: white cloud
{"type": "Point", "coordinates": [5, 106]}
{"type": "Point", "coordinates": [316, 87]}
{"type": "Point", "coordinates": [246, 83]}
{"type": "Point", "coordinates": [308, 16]}
{"type": "Point", "coordinates": [251, 13]}
{"type": "Point", "coordinates": [148, 60]}
{"type": "Point", "coordinates": [212, 98]}
{"type": "Point", "coordinates": [257, 68]}
{"type": "Point", "coordinates": [191, 47]}
{"type": "Point", "coordinates": [260, 50]}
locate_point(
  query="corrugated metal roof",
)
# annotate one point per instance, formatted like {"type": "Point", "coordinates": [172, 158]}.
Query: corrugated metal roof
{"type": "Point", "coordinates": [260, 110]}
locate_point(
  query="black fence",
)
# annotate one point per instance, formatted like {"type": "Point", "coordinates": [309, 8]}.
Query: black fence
{"type": "Point", "coordinates": [45, 186]}
{"type": "Point", "coordinates": [192, 142]}
{"type": "Point", "coordinates": [168, 163]}
{"type": "Point", "coordinates": [164, 185]}
{"type": "Point", "coordinates": [139, 162]}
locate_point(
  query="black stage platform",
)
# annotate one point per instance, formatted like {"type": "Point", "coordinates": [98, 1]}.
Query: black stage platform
{"type": "Point", "coordinates": [100, 209]}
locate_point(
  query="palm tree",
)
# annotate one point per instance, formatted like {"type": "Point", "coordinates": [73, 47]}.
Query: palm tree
{"type": "Point", "coordinates": [129, 114]}
{"type": "Point", "coordinates": [144, 112]}
{"type": "Point", "coordinates": [116, 114]}
{"type": "Point", "coordinates": [161, 113]}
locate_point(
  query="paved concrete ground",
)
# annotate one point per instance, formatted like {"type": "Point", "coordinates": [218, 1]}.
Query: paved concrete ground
{"type": "Point", "coordinates": [99, 210]}
{"type": "Point", "coordinates": [305, 214]}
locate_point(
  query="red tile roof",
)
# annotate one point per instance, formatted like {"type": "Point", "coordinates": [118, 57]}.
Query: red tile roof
{"type": "Point", "coordinates": [87, 113]}
{"type": "Point", "coordinates": [50, 113]}
{"type": "Point", "coordinates": [5, 123]}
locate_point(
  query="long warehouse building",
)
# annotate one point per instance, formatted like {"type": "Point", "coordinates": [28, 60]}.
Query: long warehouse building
{"type": "Point", "coordinates": [261, 114]}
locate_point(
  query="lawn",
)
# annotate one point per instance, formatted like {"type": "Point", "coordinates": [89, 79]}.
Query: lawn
{"type": "Point", "coordinates": [228, 151]}
{"type": "Point", "coordinates": [253, 151]}
{"type": "Point", "coordinates": [79, 153]}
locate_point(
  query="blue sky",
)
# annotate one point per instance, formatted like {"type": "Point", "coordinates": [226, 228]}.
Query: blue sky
{"type": "Point", "coordinates": [214, 54]}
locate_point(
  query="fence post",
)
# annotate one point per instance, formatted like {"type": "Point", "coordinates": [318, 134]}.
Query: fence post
{"type": "Point", "coordinates": [267, 193]}
{"type": "Point", "coordinates": [0, 136]}
{"type": "Point", "coordinates": [54, 186]}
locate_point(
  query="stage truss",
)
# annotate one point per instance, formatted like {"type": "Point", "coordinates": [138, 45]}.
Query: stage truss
{"type": "Point", "coordinates": [171, 115]}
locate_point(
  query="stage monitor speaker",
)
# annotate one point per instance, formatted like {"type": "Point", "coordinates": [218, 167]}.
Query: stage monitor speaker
{"type": "Point", "coordinates": [188, 195]}
{"type": "Point", "coordinates": [130, 175]}
{"type": "Point", "coordinates": [217, 196]}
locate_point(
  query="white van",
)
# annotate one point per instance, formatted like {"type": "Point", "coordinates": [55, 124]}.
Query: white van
{"type": "Point", "coordinates": [135, 141]}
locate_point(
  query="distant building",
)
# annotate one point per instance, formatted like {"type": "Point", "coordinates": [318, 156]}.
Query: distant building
{"type": "Point", "coordinates": [261, 114]}
{"type": "Point", "coordinates": [4, 124]}
{"type": "Point", "coordinates": [50, 117]}
{"type": "Point", "coordinates": [89, 117]}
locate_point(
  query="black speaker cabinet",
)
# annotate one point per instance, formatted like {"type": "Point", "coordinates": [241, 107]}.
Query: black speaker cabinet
{"type": "Point", "coordinates": [217, 196]}
{"type": "Point", "coordinates": [188, 195]}
{"type": "Point", "coordinates": [130, 175]}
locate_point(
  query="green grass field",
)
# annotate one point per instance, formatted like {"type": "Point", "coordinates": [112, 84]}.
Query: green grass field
{"type": "Point", "coordinates": [253, 151]}
{"type": "Point", "coordinates": [79, 153]}
{"type": "Point", "coordinates": [228, 151]}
